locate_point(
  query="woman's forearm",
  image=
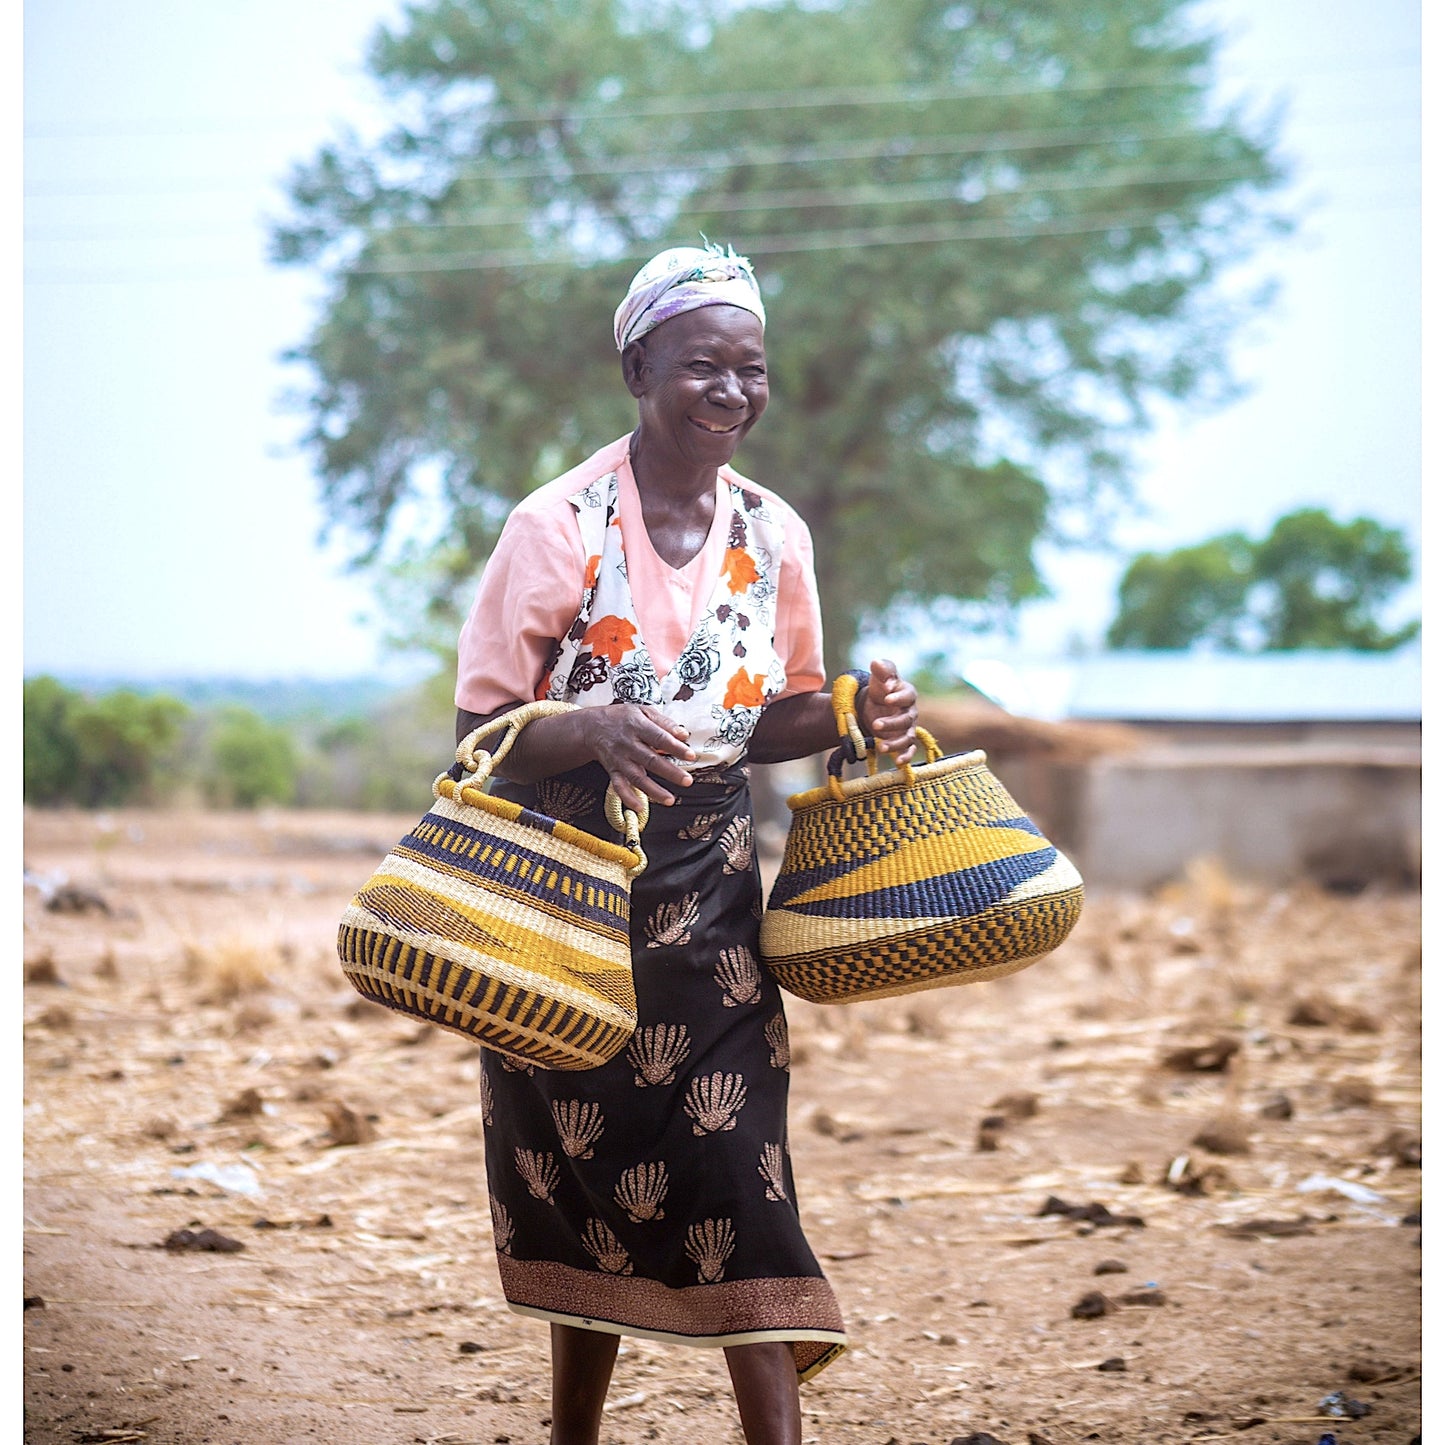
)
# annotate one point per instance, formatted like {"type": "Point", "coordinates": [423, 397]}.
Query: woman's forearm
{"type": "Point", "coordinates": [545, 746]}
{"type": "Point", "coordinates": [794, 727]}
{"type": "Point", "coordinates": [799, 726]}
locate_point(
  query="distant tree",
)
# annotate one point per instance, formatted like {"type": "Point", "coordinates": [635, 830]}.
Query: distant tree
{"type": "Point", "coordinates": [1312, 582]}
{"type": "Point", "coordinates": [1194, 594]}
{"type": "Point", "coordinates": [990, 234]}
{"type": "Point", "coordinates": [1324, 583]}
{"type": "Point", "coordinates": [123, 741]}
{"type": "Point", "coordinates": [387, 759]}
{"type": "Point", "coordinates": [51, 767]}
{"type": "Point", "coordinates": [252, 761]}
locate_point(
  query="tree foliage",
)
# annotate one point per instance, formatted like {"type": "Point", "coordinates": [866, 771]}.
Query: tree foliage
{"type": "Point", "coordinates": [1194, 594]}
{"type": "Point", "coordinates": [989, 236]}
{"type": "Point", "coordinates": [127, 747]}
{"type": "Point", "coordinates": [252, 761]}
{"type": "Point", "coordinates": [1312, 582]}
{"type": "Point", "coordinates": [51, 764]}
{"type": "Point", "coordinates": [96, 751]}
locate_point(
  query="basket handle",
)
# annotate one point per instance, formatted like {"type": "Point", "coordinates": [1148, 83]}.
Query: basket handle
{"type": "Point", "coordinates": [479, 761]}
{"type": "Point", "coordinates": [481, 764]}
{"type": "Point", "coordinates": [859, 746]}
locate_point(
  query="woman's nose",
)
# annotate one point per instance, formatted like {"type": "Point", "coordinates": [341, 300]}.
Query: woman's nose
{"type": "Point", "coordinates": [729, 390]}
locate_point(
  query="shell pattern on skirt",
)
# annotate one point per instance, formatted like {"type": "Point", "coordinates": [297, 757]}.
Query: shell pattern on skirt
{"type": "Point", "coordinates": [654, 1196]}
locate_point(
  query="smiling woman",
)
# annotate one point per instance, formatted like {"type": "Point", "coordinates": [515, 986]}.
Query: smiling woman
{"type": "Point", "coordinates": [673, 601]}
{"type": "Point", "coordinates": [701, 383]}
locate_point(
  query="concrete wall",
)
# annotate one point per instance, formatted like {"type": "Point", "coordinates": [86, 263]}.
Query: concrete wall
{"type": "Point", "coordinates": [1341, 817]}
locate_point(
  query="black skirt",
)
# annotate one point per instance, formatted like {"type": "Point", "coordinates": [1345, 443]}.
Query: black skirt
{"type": "Point", "coordinates": [654, 1196]}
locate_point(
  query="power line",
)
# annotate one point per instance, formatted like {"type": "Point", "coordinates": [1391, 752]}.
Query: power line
{"type": "Point", "coordinates": [875, 148]}
{"type": "Point", "coordinates": [727, 102]}
{"type": "Point", "coordinates": [933, 233]}
{"type": "Point", "coordinates": [893, 147]}
{"type": "Point", "coordinates": [803, 198]}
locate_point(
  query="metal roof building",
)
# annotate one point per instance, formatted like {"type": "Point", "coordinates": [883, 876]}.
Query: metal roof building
{"type": "Point", "coordinates": [1323, 687]}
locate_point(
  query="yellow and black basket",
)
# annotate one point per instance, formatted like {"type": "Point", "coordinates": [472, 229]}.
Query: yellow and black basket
{"type": "Point", "coordinates": [502, 924]}
{"type": "Point", "coordinates": [911, 879]}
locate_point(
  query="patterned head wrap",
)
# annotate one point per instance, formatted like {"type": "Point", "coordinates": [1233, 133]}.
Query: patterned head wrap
{"type": "Point", "coordinates": [683, 279]}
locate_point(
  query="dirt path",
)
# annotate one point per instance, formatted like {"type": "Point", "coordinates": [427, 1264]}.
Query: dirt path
{"type": "Point", "coordinates": [194, 1061]}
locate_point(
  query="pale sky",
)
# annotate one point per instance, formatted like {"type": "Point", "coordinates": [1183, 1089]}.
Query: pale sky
{"type": "Point", "coordinates": [170, 525]}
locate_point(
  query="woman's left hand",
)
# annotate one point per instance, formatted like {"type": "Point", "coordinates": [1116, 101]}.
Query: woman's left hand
{"type": "Point", "coordinates": [888, 708]}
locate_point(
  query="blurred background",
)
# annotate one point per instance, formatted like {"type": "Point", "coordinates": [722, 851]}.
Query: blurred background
{"type": "Point", "coordinates": [1094, 329]}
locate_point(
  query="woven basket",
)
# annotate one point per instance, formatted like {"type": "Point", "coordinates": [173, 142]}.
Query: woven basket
{"type": "Point", "coordinates": [911, 879]}
{"type": "Point", "coordinates": [501, 924]}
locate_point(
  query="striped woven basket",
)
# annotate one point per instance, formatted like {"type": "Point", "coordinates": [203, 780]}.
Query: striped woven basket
{"type": "Point", "coordinates": [911, 879]}
{"type": "Point", "coordinates": [501, 924]}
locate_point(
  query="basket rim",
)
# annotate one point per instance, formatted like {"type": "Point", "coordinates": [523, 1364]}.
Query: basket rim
{"type": "Point", "coordinates": [468, 795]}
{"type": "Point", "coordinates": [894, 780]}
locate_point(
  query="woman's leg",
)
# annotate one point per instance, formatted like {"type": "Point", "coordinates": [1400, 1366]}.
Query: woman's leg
{"type": "Point", "coordinates": [765, 1383]}
{"type": "Point", "coordinates": [582, 1363]}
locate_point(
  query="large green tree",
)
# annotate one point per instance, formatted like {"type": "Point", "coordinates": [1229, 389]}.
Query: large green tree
{"type": "Point", "coordinates": [1311, 582]}
{"type": "Point", "coordinates": [989, 236]}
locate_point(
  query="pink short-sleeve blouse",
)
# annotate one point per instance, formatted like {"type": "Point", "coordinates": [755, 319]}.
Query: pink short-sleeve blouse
{"type": "Point", "coordinates": [532, 586]}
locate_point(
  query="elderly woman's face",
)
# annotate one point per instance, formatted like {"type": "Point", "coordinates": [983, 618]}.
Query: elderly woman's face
{"type": "Point", "coordinates": [701, 381]}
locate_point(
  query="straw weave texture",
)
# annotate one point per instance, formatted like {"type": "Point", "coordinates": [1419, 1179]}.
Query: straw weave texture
{"type": "Point", "coordinates": [913, 879]}
{"type": "Point", "coordinates": [502, 925]}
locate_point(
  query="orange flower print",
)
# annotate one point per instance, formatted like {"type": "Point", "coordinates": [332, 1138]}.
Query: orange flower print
{"type": "Point", "coordinates": [610, 637]}
{"type": "Point", "coordinates": [745, 691]}
{"type": "Point", "coordinates": [594, 564]}
{"type": "Point", "coordinates": [740, 570]}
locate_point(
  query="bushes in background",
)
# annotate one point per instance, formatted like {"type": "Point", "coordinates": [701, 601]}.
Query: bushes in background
{"type": "Point", "coordinates": [153, 749]}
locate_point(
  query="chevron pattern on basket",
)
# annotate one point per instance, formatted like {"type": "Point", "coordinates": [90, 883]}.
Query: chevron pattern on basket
{"type": "Point", "coordinates": [913, 880]}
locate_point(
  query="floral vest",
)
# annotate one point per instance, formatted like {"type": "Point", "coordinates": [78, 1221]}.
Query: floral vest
{"type": "Point", "coordinates": [728, 671]}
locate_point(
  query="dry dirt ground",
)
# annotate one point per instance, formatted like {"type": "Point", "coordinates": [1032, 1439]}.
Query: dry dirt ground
{"type": "Point", "coordinates": [1163, 1186]}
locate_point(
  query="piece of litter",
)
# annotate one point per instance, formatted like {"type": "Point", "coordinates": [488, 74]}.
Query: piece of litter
{"type": "Point", "coordinates": [233, 1178]}
{"type": "Point", "coordinates": [1325, 1183]}
{"type": "Point", "coordinates": [627, 1401]}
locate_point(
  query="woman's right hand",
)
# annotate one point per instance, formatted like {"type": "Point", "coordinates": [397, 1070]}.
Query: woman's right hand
{"type": "Point", "coordinates": [638, 745]}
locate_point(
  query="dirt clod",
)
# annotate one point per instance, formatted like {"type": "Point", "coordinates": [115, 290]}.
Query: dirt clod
{"type": "Point", "coordinates": [42, 970]}
{"type": "Point", "coordinates": [1093, 1213]}
{"type": "Point", "coordinates": [1277, 1106]}
{"type": "Point", "coordinates": [1403, 1146]}
{"type": "Point", "coordinates": [1093, 1306]}
{"type": "Point", "coordinates": [1227, 1135]}
{"type": "Point", "coordinates": [246, 1105]}
{"type": "Point", "coordinates": [201, 1241]}
{"type": "Point", "coordinates": [1320, 1011]}
{"type": "Point", "coordinates": [71, 898]}
{"type": "Point", "coordinates": [1210, 1058]}
{"type": "Point", "coordinates": [1268, 1228]}
{"type": "Point", "coordinates": [1021, 1104]}
{"type": "Point", "coordinates": [990, 1130]}
{"type": "Point", "coordinates": [1352, 1092]}
{"type": "Point", "coordinates": [344, 1126]}
{"type": "Point", "coordinates": [1150, 1295]}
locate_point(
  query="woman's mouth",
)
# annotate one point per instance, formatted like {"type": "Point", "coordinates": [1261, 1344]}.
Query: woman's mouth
{"type": "Point", "coordinates": [716, 428]}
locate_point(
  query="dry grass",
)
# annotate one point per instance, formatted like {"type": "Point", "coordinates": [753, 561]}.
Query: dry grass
{"type": "Point", "coordinates": [227, 970]}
